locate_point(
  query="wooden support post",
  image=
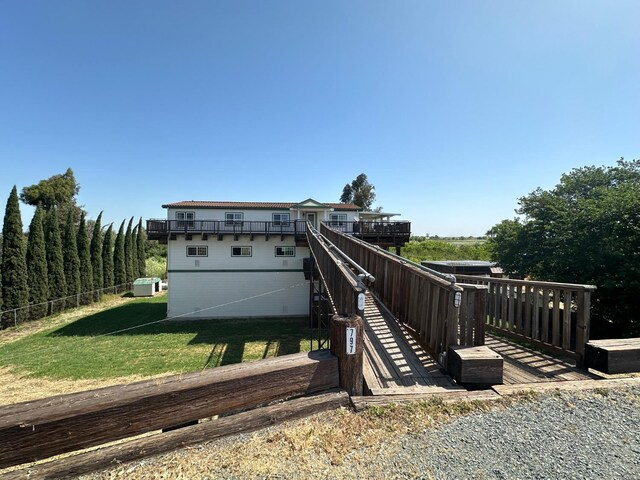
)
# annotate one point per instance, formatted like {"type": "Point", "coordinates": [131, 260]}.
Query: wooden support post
{"type": "Point", "coordinates": [348, 346]}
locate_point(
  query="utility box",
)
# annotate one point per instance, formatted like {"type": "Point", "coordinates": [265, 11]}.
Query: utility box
{"type": "Point", "coordinates": [475, 365]}
{"type": "Point", "coordinates": [146, 287]}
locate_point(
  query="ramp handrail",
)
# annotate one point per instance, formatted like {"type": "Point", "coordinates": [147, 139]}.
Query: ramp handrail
{"type": "Point", "coordinates": [427, 304]}
{"type": "Point", "coordinates": [342, 285]}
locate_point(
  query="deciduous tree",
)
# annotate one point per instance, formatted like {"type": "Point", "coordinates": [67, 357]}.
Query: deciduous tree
{"type": "Point", "coordinates": [56, 191]}
{"type": "Point", "coordinates": [359, 192]}
{"type": "Point", "coordinates": [585, 230]}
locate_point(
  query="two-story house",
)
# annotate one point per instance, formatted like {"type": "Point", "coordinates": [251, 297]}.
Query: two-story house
{"type": "Point", "coordinates": [243, 259]}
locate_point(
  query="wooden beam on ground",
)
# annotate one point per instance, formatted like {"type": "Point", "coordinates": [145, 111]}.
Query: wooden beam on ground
{"type": "Point", "coordinates": [571, 385]}
{"type": "Point", "coordinates": [619, 355]}
{"type": "Point", "coordinates": [39, 429]}
{"type": "Point", "coordinates": [203, 432]}
{"type": "Point", "coordinates": [454, 396]}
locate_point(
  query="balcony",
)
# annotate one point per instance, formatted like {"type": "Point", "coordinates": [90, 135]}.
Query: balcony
{"type": "Point", "coordinates": [164, 230]}
{"type": "Point", "coordinates": [384, 234]}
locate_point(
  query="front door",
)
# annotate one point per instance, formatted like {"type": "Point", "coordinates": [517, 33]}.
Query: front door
{"type": "Point", "coordinates": [311, 218]}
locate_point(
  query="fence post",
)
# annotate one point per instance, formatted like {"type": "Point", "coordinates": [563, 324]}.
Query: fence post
{"type": "Point", "coordinates": [480, 314]}
{"type": "Point", "coordinates": [347, 343]}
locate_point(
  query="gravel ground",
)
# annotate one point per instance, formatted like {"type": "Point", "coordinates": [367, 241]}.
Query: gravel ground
{"type": "Point", "coordinates": [577, 435]}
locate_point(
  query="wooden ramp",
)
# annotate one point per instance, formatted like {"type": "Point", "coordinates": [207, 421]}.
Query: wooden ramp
{"type": "Point", "coordinates": [525, 365]}
{"type": "Point", "coordinates": [393, 361]}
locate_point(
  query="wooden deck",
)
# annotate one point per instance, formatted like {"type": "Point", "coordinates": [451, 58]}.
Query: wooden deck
{"type": "Point", "coordinates": [393, 362]}
{"type": "Point", "coordinates": [525, 365]}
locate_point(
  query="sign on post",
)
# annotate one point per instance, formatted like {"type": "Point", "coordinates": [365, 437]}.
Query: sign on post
{"type": "Point", "coordinates": [351, 341]}
{"type": "Point", "coordinates": [361, 301]}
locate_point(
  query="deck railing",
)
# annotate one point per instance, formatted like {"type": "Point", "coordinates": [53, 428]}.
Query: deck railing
{"type": "Point", "coordinates": [157, 228]}
{"type": "Point", "coordinates": [381, 228]}
{"type": "Point", "coordinates": [393, 233]}
{"type": "Point", "coordinates": [428, 305]}
{"type": "Point", "coordinates": [546, 314]}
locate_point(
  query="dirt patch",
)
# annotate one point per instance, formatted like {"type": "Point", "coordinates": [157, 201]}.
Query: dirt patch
{"type": "Point", "coordinates": [337, 444]}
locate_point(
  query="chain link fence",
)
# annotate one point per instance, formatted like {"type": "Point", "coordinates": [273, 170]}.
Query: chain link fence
{"type": "Point", "coordinates": [16, 316]}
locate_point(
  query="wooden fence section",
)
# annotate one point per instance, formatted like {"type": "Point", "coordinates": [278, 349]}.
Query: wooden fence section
{"type": "Point", "coordinates": [40, 429]}
{"type": "Point", "coordinates": [551, 315]}
{"type": "Point", "coordinates": [424, 303]}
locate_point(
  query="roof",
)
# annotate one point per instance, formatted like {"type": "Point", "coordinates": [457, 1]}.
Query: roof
{"type": "Point", "coordinates": [378, 214]}
{"type": "Point", "coordinates": [146, 281]}
{"type": "Point", "coordinates": [254, 205]}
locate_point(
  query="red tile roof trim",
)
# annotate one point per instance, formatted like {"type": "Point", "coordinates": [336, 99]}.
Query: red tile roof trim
{"type": "Point", "coordinates": [253, 205]}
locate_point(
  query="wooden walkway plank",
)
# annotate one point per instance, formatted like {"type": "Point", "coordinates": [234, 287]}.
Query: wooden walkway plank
{"type": "Point", "coordinates": [396, 362]}
{"type": "Point", "coordinates": [525, 365]}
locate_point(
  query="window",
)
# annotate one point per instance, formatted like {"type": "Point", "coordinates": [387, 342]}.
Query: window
{"type": "Point", "coordinates": [185, 219]}
{"type": "Point", "coordinates": [280, 219]}
{"type": "Point", "coordinates": [197, 251]}
{"type": "Point", "coordinates": [285, 251]}
{"type": "Point", "coordinates": [240, 251]}
{"type": "Point", "coordinates": [233, 218]}
{"type": "Point", "coordinates": [338, 219]}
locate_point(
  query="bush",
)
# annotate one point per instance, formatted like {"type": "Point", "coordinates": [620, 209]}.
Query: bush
{"type": "Point", "coordinates": [156, 267]}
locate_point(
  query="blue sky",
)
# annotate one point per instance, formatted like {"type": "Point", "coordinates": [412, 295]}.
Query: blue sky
{"type": "Point", "coordinates": [452, 109]}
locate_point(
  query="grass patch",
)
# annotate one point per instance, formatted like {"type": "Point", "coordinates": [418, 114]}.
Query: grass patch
{"type": "Point", "coordinates": [130, 339]}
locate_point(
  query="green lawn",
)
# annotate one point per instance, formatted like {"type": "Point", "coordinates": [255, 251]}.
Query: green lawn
{"type": "Point", "coordinates": [88, 349]}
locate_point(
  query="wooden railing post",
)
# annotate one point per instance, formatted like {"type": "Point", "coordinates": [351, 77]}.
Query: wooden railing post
{"type": "Point", "coordinates": [480, 314]}
{"type": "Point", "coordinates": [347, 343]}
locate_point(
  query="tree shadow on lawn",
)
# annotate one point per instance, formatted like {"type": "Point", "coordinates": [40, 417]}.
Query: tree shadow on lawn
{"type": "Point", "coordinates": [281, 336]}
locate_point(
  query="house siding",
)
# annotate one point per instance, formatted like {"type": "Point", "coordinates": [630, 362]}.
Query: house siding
{"type": "Point", "coordinates": [222, 286]}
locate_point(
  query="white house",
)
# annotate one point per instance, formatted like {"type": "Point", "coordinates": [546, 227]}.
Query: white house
{"type": "Point", "coordinates": [241, 259]}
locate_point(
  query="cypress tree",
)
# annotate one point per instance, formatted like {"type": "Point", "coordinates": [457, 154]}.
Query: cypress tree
{"type": "Point", "coordinates": [37, 267]}
{"type": "Point", "coordinates": [142, 254]}
{"type": "Point", "coordinates": [71, 261]}
{"type": "Point", "coordinates": [128, 252]}
{"type": "Point", "coordinates": [86, 272]}
{"type": "Point", "coordinates": [119, 266]}
{"type": "Point", "coordinates": [55, 260]}
{"type": "Point", "coordinates": [15, 293]}
{"type": "Point", "coordinates": [107, 258]}
{"type": "Point", "coordinates": [96, 257]}
{"type": "Point", "coordinates": [134, 252]}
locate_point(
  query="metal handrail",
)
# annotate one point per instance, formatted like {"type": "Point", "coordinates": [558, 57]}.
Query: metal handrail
{"type": "Point", "coordinates": [445, 276]}
{"type": "Point", "coordinates": [364, 275]}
